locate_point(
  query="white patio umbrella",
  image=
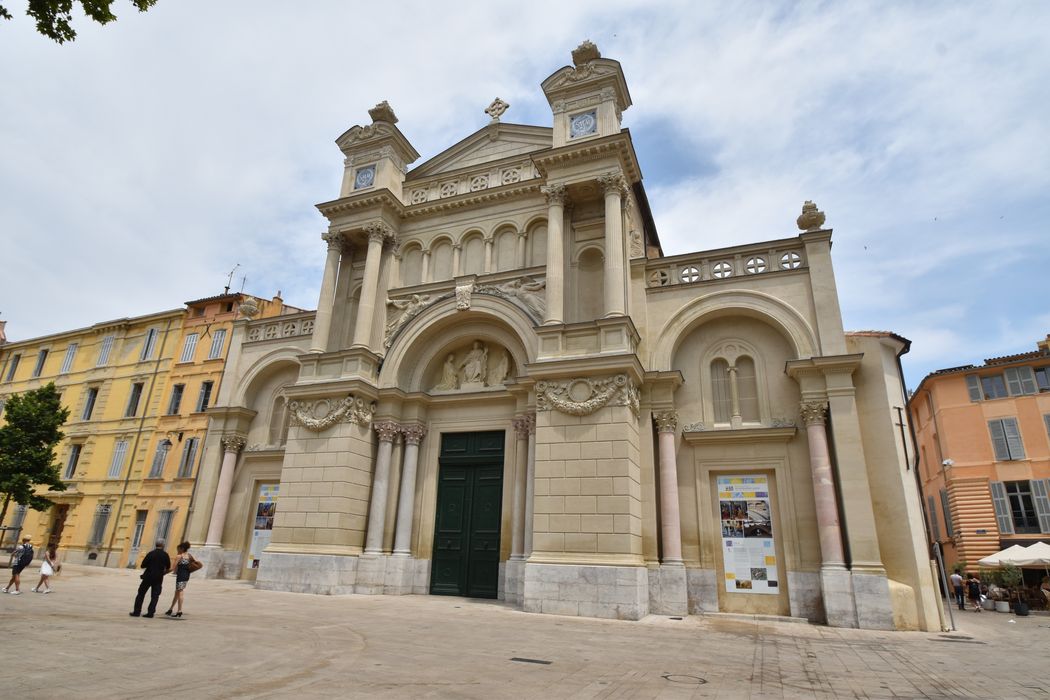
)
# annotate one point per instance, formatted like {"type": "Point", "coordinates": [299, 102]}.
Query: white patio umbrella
{"type": "Point", "coordinates": [1037, 554]}
{"type": "Point", "coordinates": [1010, 555]}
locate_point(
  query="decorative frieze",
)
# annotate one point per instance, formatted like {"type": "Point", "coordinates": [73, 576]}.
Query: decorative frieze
{"type": "Point", "coordinates": [666, 421]}
{"type": "Point", "coordinates": [584, 396]}
{"type": "Point", "coordinates": [321, 414]}
{"type": "Point", "coordinates": [275, 328]}
{"type": "Point", "coordinates": [527, 292]}
{"type": "Point", "coordinates": [233, 442]}
{"type": "Point", "coordinates": [813, 413]}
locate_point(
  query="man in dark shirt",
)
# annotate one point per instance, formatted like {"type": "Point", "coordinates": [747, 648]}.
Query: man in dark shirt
{"type": "Point", "coordinates": [156, 564]}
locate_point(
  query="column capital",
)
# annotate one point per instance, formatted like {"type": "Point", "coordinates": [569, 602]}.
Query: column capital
{"type": "Point", "coordinates": [378, 232]}
{"type": "Point", "coordinates": [457, 246]}
{"type": "Point", "coordinates": [523, 234]}
{"type": "Point", "coordinates": [387, 430]}
{"type": "Point", "coordinates": [233, 442]}
{"type": "Point", "coordinates": [613, 182]}
{"type": "Point", "coordinates": [555, 194]}
{"type": "Point", "coordinates": [813, 413]}
{"type": "Point", "coordinates": [524, 425]}
{"type": "Point", "coordinates": [334, 239]}
{"type": "Point", "coordinates": [666, 421]}
{"type": "Point", "coordinates": [413, 433]}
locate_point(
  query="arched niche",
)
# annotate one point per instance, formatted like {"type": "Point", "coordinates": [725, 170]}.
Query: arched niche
{"type": "Point", "coordinates": [423, 345]}
{"type": "Point", "coordinates": [506, 248]}
{"type": "Point", "coordinates": [589, 285]}
{"type": "Point", "coordinates": [441, 259]}
{"type": "Point", "coordinates": [473, 260]}
{"type": "Point", "coordinates": [412, 265]}
{"type": "Point", "coordinates": [262, 393]}
{"type": "Point", "coordinates": [537, 243]}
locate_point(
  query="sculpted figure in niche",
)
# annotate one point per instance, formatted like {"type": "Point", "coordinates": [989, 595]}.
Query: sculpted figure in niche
{"type": "Point", "coordinates": [449, 377]}
{"type": "Point", "coordinates": [529, 292]}
{"type": "Point", "coordinates": [500, 368]}
{"type": "Point", "coordinates": [475, 364]}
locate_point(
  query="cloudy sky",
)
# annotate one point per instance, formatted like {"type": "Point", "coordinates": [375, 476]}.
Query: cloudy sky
{"type": "Point", "coordinates": [141, 163]}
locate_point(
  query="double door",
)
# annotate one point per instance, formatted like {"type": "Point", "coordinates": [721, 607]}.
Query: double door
{"type": "Point", "coordinates": [469, 507]}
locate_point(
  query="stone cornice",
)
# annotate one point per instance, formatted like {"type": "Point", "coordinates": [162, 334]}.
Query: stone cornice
{"type": "Point", "coordinates": [618, 144]}
{"type": "Point", "coordinates": [382, 198]}
{"type": "Point", "coordinates": [823, 366]}
{"type": "Point", "coordinates": [740, 436]}
{"type": "Point", "coordinates": [469, 199]}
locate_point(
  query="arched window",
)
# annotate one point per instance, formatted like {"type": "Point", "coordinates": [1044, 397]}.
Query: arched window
{"type": "Point", "coordinates": [720, 393]}
{"type": "Point", "coordinates": [412, 266]}
{"type": "Point", "coordinates": [278, 421]}
{"type": "Point", "coordinates": [441, 261]}
{"type": "Point", "coordinates": [747, 388]}
{"type": "Point", "coordinates": [473, 260]}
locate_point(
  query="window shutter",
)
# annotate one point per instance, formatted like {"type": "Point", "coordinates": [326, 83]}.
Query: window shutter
{"type": "Point", "coordinates": [934, 527]}
{"type": "Point", "coordinates": [116, 465]}
{"type": "Point", "coordinates": [103, 353]}
{"type": "Point", "coordinates": [1013, 381]}
{"type": "Point", "coordinates": [188, 348]}
{"type": "Point", "coordinates": [217, 343]}
{"type": "Point", "coordinates": [67, 362]}
{"type": "Point", "coordinates": [189, 454]}
{"type": "Point", "coordinates": [1041, 496]}
{"type": "Point", "coordinates": [1046, 419]}
{"type": "Point", "coordinates": [948, 529]}
{"type": "Point", "coordinates": [1013, 438]}
{"type": "Point", "coordinates": [973, 385]}
{"type": "Point", "coordinates": [1002, 451]}
{"type": "Point", "coordinates": [1002, 508]}
{"type": "Point", "coordinates": [1027, 377]}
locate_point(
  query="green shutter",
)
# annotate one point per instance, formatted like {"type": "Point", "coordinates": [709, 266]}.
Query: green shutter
{"type": "Point", "coordinates": [948, 529]}
{"type": "Point", "coordinates": [1002, 508]}
{"type": "Point", "coordinates": [1040, 493]}
{"type": "Point", "coordinates": [935, 529]}
{"type": "Point", "coordinates": [1002, 451]}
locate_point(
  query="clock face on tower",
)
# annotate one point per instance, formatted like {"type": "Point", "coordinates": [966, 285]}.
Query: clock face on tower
{"type": "Point", "coordinates": [365, 177]}
{"type": "Point", "coordinates": [583, 124]}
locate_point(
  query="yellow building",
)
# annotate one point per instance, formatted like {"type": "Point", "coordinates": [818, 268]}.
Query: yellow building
{"type": "Point", "coordinates": [137, 390]}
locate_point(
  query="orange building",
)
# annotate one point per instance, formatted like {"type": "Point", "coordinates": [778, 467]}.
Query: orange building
{"type": "Point", "coordinates": [984, 452]}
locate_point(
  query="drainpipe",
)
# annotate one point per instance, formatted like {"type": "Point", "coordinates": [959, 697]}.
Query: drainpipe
{"type": "Point", "coordinates": [138, 437]}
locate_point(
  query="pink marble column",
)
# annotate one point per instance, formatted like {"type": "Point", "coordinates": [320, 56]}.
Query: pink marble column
{"type": "Point", "coordinates": [530, 484]}
{"type": "Point", "coordinates": [670, 518]}
{"type": "Point", "coordinates": [813, 415]}
{"type": "Point", "coordinates": [413, 435]}
{"type": "Point", "coordinates": [380, 486]}
{"type": "Point", "coordinates": [232, 444]}
{"type": "Point", "coordinates": [521, 457]}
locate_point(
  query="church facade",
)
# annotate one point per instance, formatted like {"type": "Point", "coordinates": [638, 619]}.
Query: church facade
{"type": "Point", "coordinates": [507, 390]}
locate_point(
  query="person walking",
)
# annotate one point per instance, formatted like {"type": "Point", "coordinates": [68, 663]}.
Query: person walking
{"type": "Point", "coordinates": [20, 559]}
{"type": "Point", "coordinates": [155, 564]}
{"type": "Point", "coordinates": [973, 587]}
{"type": "Point", "coordinates": [185, 564]}
{"type": "Point", "coordinates": [957, 583]}
{"type": "Point", "coordinates": [48, 568]}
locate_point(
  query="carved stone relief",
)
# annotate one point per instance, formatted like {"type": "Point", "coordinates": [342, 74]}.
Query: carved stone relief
{"type": "Point", "coordinates": [400, 312]}
{"type": "Point", "coordinates": [322, 414]}
{"type": "Point", "coordinates": [584, 396]}
{"type": "Point", "coordinates": [470, 369]}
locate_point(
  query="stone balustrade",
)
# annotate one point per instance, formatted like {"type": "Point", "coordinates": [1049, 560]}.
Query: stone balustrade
{"type": "Point", "coordinates": [724, 263]}
{"type": "Point", "coordinates": [280, 327]}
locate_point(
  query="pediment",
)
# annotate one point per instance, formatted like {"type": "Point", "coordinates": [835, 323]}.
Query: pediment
{"type": "Point", "coordinates": [490, 143]}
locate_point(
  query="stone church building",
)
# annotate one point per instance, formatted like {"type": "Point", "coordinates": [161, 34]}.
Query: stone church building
{"type": "Point", "coordinates": [508, 391]}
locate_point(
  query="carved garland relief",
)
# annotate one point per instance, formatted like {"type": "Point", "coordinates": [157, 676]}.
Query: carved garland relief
{"type": "Point", "coordinates": [321, 414]}
{"type": "Point", "coordinates": [584, 396]}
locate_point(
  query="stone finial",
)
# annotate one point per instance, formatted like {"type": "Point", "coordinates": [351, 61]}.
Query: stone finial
{"type": "Point", "coordinates": [497, 108]}
{"type": "Point", "coordinates": [811, 218]}
{"type": "Point", "coordinates": [585, 52]}
{"type": "Point", "coordinates": [382, 112]}
{"type": "Point", "coordinates": [249, 307]}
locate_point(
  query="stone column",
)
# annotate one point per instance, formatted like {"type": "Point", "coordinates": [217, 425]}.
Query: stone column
{"type": "Point", "coordinates": [378, 233]}
{"type": "Point", "coordinates": [670, 520]}
{"type": "Point", "coordinates": [457, 255]}
{"type": "Point", "coordinates": [425, 274]}
{"type": "Point", "coordinates": [735, 419]}
{"type": "Point", "coordinates": [530, 484]}
{"type": "Point", "coordinates": [380, 485]}
{"type": "Point", "coordinates": [232, 444]}
{"type": "Point", "coordinates": [555, 254]}
{"type": "Point", "coordinates": [521, 456]}
{"type": "Point", "coordinates": [614, 185]}
{"type": "Point", "coordinates": [523, 238]}
{"type": "Point", "coordinates": [488, 254]}
{"type": "Point", "coordinates": [323, 319]}
{"type": "Point", "coordinates": [813, 415]}
{"type": "Point", "coordinates": [413, 435]}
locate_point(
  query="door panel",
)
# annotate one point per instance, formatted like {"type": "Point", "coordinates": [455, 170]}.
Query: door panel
{"type": "Point", "coordinates": [467, 523]}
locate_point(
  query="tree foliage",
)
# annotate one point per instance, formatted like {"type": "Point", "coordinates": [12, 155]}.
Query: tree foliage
{"type": "Point", "coordinates": [54, 18]}
{"type": "Point", "coordinates": [27, 447]}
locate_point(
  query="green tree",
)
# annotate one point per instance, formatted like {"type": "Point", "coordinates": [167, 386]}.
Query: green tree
{"type": "Point", "coordinates": [54, 17]}
{"type": "Point", "coordinates": [27, 447]}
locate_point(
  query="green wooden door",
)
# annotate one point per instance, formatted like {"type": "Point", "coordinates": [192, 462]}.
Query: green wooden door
{"type": "Point", "coordinates": [467, 526]}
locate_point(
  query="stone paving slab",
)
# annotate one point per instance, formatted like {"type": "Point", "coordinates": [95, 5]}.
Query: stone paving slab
{"type": "Point", "coordinates": [239, 642]}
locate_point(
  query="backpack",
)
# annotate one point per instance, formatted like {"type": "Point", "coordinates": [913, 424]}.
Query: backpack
{"type": "Point", "coordinates": [26, 557]}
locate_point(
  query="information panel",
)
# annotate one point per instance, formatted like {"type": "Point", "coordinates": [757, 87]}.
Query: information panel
{"type": "Point", "coordinates": [748, 554]}
{"type": "Point", "coordinates": [265, 509]}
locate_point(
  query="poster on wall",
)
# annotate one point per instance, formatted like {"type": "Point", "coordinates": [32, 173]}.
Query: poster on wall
{"type": "Point", "coordinates": [748, 555]}
{"type": "Point", "coordinates": [262, 529]}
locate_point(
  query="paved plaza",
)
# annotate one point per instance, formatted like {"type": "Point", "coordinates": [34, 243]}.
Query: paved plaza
{"type": "Point", "coordinates": [236, 641]}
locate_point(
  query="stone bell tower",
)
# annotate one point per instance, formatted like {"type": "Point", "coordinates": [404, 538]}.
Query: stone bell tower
{"type": "Point", "coordinates": [377, 155]}
{"type": "Point", "coordinates": [588, 98]}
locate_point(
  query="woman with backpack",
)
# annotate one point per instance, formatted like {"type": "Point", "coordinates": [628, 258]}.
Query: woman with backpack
{"type": "Point", "coordinates": [20, 559]}
{"type": "Point", "coordinates": [48, 568]}
{"type": "Point", "coordinates": [185, 564]}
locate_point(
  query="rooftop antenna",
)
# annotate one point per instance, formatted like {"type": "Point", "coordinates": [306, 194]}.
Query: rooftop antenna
{"type": "Point", "coordinates": [229, 278]}
{"type": "Point", "coordinates": [243, 280]}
